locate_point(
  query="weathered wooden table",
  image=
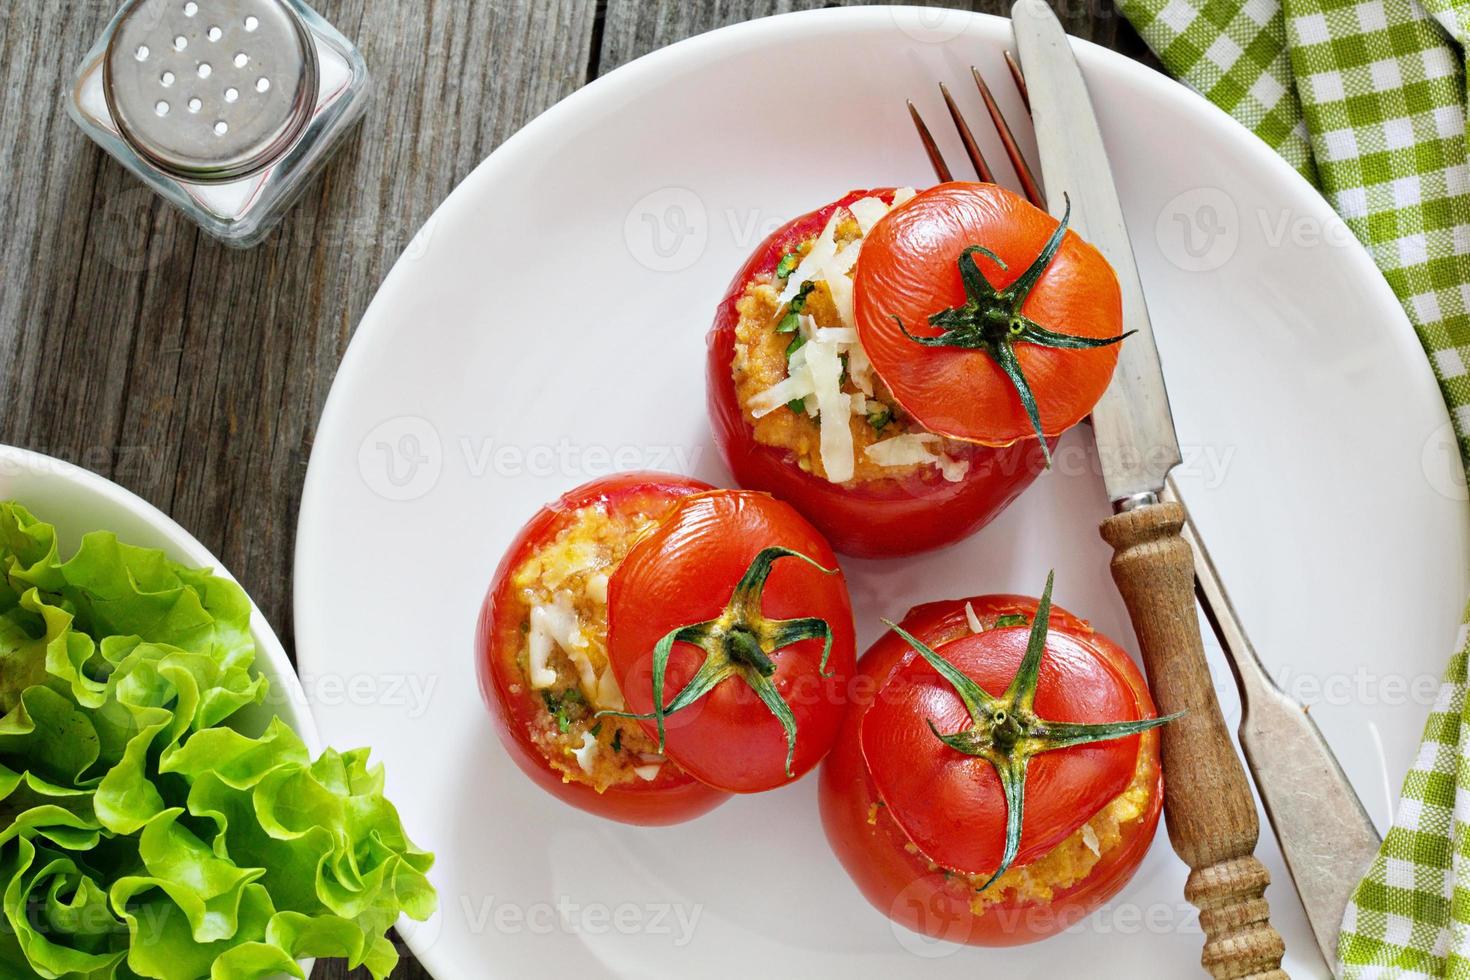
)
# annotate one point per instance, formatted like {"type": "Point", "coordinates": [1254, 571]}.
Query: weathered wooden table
{"type": "Point", "coordinates": [194, 375]}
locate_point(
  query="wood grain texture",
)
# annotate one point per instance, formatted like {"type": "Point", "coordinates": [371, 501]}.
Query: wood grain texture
{"type": "Point", "coordinates": [1211, 815]}
{"type": "Point", "coordinates": [194, 375]}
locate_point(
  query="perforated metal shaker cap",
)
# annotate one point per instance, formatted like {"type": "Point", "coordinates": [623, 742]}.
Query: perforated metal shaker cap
{"type": "Point", "coordinates": [210, 90]}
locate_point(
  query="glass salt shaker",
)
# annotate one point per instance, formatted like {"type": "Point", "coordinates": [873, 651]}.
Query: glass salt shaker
{"type": "Point", "coordinates": [225, 107]}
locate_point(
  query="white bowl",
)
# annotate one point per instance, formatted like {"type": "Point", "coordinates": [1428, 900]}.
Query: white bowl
{"type": "Point", "coordinates": [76, 501]}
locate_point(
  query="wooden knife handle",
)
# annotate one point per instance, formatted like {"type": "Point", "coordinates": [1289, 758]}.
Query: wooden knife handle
{"type": "Point", "coordinates": [1207, 802]}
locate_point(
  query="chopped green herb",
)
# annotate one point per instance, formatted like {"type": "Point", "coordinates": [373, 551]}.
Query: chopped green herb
{"type": "Point", "coordinates": [796, 344]}
{"type": "Point", "coordinates": [791, 320]}
{"type": "Point", "coordinates": [798, 302]}
{"type": "Point", "coordinates": [1010, 619]}
{"type": "Point", "coordinates": [596, 729]}
{"type": "Point", "coordinates": [797, 405]}
{"type": "Point", "coordinates": [787, 265]}
{"type": "Point", "coordinates": [559, 705]}
{"type": "Point", "coordinates": [879, 417]}
{"type": "Point", "coordinates": [843, 380]}
{"type": "Point", "coordinates": [617, 742]}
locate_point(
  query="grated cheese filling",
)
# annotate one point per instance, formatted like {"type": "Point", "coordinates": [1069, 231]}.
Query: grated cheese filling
{"type": "Point", "coordinates": [827, 376]}
{"type": "Point", "coordinates": [563, 655]}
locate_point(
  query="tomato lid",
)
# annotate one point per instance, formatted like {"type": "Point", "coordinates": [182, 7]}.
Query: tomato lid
{"type": "Point", "coordinates": [986, 318]}
{"type": "Point", "coordinates": [733, 615]}
{"type": "Point", "coordinates": [936, 760]}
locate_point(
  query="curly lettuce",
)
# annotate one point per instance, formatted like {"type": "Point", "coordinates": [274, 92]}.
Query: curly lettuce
{"type": "Point", "coordinates": [145, 830]}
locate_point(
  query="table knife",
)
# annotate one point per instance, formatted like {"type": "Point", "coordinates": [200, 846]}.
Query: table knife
{"type": "Point", "coordinates": [1209, 810]}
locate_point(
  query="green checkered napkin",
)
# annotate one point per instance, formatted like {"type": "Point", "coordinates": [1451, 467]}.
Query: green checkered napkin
{"type": "Point", "coordinates": [1367, 100]}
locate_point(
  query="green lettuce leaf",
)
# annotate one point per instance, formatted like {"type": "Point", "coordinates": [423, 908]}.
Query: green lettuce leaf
{"type": "Point", "coordinates": [140, 834]}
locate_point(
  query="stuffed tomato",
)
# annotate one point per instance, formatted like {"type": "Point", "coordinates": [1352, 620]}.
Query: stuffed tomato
{"type": "Point", "coordinates": [650, 645]}
{"type": "Point", "coordinates": [1000, 778]}
{"type": "Point", "coordinates": [897, 365]}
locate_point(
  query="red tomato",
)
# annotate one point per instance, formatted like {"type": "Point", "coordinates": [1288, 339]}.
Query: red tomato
{"type": "Point", "coordinates": [685, 572]}
{"type": "Point", "coordinates": [904, 811]}
{"type": "Point", "coordinates": [909, 270]}
{"type": "Point", "coordinates": [680, 573]}
{"type": "Point", "coordinates": [869, 519]}
{"type": "Point", "coordinates": [674, 795]}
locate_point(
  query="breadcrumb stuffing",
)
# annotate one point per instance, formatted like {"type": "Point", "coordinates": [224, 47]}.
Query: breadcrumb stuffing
{"type": "Point", "coordinates": [569, 574]}
{"type": "Point", "coordinates": [760, 363]}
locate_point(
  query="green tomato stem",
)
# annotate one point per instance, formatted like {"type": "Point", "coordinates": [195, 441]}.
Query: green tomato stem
{"type": "Point", "coordinates": [990, 320]}
{"type": "Point", "coordinates": [1007, 733]}
{"type": "Point", "coordinates": [738, 643]}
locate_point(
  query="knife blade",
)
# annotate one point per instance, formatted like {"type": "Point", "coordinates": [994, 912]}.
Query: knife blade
{"type": "Point", "coordinates": [1133, 424]}
{"type": "Point", "coordinates": [1212, 820]}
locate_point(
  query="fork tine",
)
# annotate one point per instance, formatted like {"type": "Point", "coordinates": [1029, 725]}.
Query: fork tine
{"type": "Point", "coordinates": [936, 159]}
{"type": "Point", "coordinates": [1019, 79]}
{"type": "Point", "coordinates": [1023, 170]}
{"type": "Point", "coordinates": [972, 149]}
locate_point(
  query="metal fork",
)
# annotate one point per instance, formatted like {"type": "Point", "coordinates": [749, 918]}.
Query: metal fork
{"type": "Point", "coordinates": [1326, 836]}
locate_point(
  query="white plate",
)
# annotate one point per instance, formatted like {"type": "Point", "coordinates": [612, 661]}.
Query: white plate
{"type": "Point", "coordinates": [76, 502]}
{"type": "Point", "coordinates": [548, 326]}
